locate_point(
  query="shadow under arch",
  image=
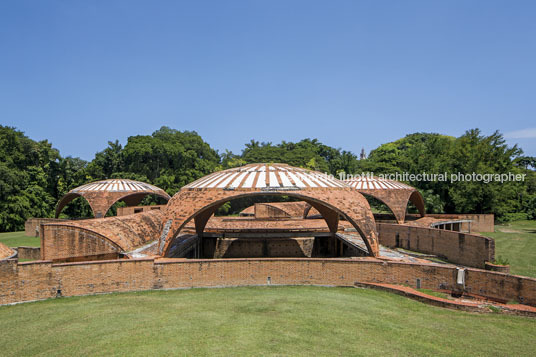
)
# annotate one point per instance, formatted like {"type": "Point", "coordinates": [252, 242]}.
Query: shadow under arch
{"type": "Point", "coordinates": [68, 198]}
{"type": "Point", "coordinates": [396, 204]}
{"type": "Point", "coordinates": [417, 199]}
{"type": "Point", "coordinates": [199, 205]}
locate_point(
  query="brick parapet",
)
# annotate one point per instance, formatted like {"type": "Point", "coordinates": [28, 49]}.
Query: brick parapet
{"type": "Point", "coordinates": [43, 279]}
{"type": "Point", "coordinates": [30, 253]}
{"type": "Point", "coordinates": [480, 222]}
{"type": "Point", "coordinates": [458, 248]}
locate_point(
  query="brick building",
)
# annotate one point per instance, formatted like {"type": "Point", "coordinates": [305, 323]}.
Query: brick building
{"type": "Point", "coordinates": [183, 244]}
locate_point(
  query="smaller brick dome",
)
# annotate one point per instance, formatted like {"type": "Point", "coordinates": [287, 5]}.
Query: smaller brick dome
{"type": "Point", "coordinates": [395, 195]}
{"type": "Point", "coordinates": [118, 185]}
{"type": "Point", "coordinates": [101, 195]}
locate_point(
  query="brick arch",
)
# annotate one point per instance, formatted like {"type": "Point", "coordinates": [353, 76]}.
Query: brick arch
{"type": "Point", "coordinates": [396, 204]}
{"type": "Point", "coordinates": [397, 201]}
{"type": "Point", "coordinates": [101, 202]}
{"type": "Point", "coordinates": [199, 205]}
{"type": "Point", "coordinates": [68, 198]}
{"type": "Point", "coordinates": [417, 199]}
{"type": "Point", "coordinates": [307, 211]}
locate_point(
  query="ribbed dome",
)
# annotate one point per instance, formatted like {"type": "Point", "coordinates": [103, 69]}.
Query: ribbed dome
{"type": "Point", "coordinates": [376, 183]}
{"type": "Point", "coordinates": [200, 199]}
{"type": "Point", "coordinates": [265, 177]}
{"type": "Point", "coordinates": [101, 195]}
{"type": "Point", "coordinates": [117, 185]}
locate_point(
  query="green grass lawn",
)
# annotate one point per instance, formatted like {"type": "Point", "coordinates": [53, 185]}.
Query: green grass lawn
{"type": "Point", "coordinates": [258, 321]}
{"type": "Point", "coordinates": [516, 241]}
{"type": "Point", "coordinates": [19, 239]}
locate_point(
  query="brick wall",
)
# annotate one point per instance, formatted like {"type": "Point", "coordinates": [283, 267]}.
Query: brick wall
{"type": "Point", "coordinates": [40, 280]}
{"type": "Point", "coordinates": [258, 247]}
{"type": "Point", "coordinates": [459, 248]}
{"type": "Point", "coordinates": [29, 253]}
{"type": "Point", "coordinates": [269, 211]}
{"type": "Point", "coordinates": [60, 242]}
{"type": "Point", "coordinates": [100, 237]}
{"type": "Point", "coordinates": [123, 211]}
{"type": "Point", "coordinates": [279, 209]}
{"type": "Point", "coordinates": [501, 286]}
{"type": "Point", "coordinates": [31, 226]}
{"type": "Point", "coordinates": [480, 222]}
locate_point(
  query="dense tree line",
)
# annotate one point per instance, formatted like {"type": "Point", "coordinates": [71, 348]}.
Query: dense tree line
{"type": "Point", "coordinates": [471, 152]}
{"type": "Point", "coordinates": [33, 175]}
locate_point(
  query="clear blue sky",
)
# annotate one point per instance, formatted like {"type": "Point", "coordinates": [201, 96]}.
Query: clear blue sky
{"type": "Point", "coordinates": [351, 73]}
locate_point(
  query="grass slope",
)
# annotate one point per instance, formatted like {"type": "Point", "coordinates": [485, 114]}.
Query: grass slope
{"type": "Point", "coordinates": [516, 241]}
{"type": "Point", "coordinates": [258, 321]}
{"type": "Point", "coordinates": [19, 239]}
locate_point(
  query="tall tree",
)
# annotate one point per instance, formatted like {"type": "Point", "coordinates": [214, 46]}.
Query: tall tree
{"type": "Point", "coordinates": [28, 183]}
{"type": "Point", "coordinates": [169, 158]}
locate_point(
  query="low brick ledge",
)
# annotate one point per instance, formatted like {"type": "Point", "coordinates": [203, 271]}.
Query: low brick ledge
{"type": "Point", "coordinates": [515, 309]}
{"type": "Point", "coordinates": [162, 262]}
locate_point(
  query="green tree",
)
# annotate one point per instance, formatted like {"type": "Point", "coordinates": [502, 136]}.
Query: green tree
{"type": "Point", "coordinates": [307, 153]}
{"type": "Point", "coordinates": [472, 152]}
{"type": "Point", "coordinates": [169, 158]}
{"type": "Point", "coordinates": [28, 178]}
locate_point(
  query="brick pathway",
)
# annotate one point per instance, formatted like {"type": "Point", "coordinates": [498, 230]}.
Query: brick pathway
{"type": "Point", "coordinates": [466, 304]}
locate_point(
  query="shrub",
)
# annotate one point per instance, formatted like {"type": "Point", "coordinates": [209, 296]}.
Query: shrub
{"type": "Point", "coordinates": [513, 216]}
{"type": "Point", "coordinates": [501, 261]}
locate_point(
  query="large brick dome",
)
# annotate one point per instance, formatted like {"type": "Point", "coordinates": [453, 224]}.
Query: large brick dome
{"type": "Point", "coordinates": [331, 197]}
{"type": "Point", "coordinates": [266, 177]}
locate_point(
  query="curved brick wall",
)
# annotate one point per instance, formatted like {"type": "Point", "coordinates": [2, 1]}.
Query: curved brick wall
{"type": "Point", "coordinates": [480, 222]}
{"type": "Point", "coordinates": [41, 280]}
{"type": "Point", "coordinates": [460, 248]}
{"type": "Point", "coordinates": [99, 237]}
{"type": "Point", "coordinates": [64, 242]}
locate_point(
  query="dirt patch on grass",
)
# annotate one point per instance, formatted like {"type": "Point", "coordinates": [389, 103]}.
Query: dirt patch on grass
{"type": "Point", "coordinates": [509, 230]}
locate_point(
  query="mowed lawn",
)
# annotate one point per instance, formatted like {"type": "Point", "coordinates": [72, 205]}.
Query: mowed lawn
{"type": "Point", "coordinates": [19, 239]}
{"type": "Point", "coordinates": [258, 321]}
{"type": "Point", "coordinates": [516, 241]}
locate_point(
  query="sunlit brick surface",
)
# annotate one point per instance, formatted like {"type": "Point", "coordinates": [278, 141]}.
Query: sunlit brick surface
{"type": "Point", "coordinates": [94, 237]}
{"type": "Point", "coordinates": [331, 197]}
{"type": "Point", "coordinates": [41, 280]}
